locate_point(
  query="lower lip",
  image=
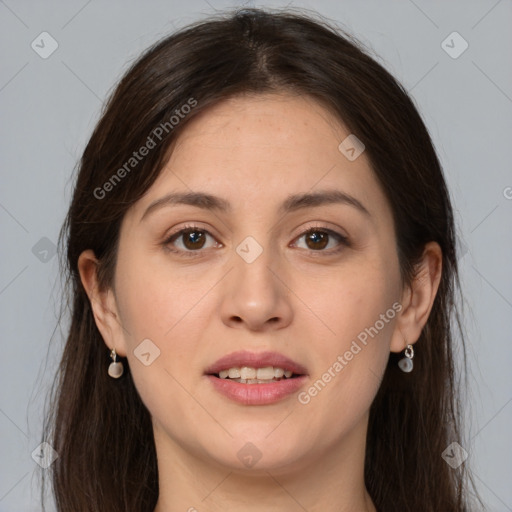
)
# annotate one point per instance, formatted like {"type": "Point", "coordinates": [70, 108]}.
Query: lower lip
{"type": "Point", "coordinates": [257, 394]}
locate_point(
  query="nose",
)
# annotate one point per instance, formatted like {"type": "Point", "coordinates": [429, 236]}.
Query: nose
{"type": "Point", "coordinates": [256, 296]}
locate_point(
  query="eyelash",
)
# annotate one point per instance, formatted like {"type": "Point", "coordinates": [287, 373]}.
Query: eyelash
{"type": "Point", "coordinates": [343, 240]}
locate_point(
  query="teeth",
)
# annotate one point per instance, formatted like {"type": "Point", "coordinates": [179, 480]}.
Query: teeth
{"type": "Point", "coordinates": [265, 373]}
{"type": "Point", "coordinates": [248, 375]}
{"type": "Point", "coordinates": [252, 381]}
{"type": "Point", "coordinates": [234, 373]}
{"type": "Point", "coordinates": [278, 372]}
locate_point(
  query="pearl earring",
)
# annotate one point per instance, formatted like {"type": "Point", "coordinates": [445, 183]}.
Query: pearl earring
{"type": "Point", "coordinates": [405, 364]}
{"type": "Point", "coordinates": [115, 370]}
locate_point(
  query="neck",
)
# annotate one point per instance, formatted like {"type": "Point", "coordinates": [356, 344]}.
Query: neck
{"type": "Point", "coordinates": [331, 482]}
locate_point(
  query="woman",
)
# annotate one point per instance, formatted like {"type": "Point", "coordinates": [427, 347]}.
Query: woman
{"type": "Point", "coordinates": [261, 253]}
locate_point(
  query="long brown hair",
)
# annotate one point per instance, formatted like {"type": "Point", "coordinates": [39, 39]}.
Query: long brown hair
{"type": "Point", "coordinates": [100, 427]}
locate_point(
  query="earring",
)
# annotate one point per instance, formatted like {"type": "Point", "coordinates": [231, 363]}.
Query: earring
{"type": "Point", "coordinates": [405, 364]}
{"type": "Point", "coordinates": [115, 370]}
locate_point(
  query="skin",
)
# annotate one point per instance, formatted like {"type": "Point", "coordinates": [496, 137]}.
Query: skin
{"type": "Point", "coordinates": [254, 151]}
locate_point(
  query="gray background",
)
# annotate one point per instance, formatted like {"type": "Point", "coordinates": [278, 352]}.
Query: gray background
{"type": "Point", "coordinates": [49, 107]}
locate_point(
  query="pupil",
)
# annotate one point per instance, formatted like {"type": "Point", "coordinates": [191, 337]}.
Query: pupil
{"type": "Point", "coordinates": [318, 239]}
{"type": "Point", "coordinates": [192, 239]}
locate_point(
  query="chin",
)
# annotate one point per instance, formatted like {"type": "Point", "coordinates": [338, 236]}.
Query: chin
{"type": "Point", "coordinates": [261, 451]}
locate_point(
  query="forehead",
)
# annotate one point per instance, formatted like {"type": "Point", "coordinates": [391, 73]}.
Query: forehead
{"type": "Point", "coordinates": [257, 150]}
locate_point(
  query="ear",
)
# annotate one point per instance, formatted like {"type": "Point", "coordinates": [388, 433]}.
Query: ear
{"type": "Point", "coordinates": [418, 298]}
{"type": "Point", "coordinates": [103, 304]}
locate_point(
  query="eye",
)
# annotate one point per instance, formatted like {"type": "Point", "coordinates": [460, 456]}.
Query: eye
{"type": "Point", "coordinates": [189, 240]}
{"type": "Point", "coordinates": [318, 239]}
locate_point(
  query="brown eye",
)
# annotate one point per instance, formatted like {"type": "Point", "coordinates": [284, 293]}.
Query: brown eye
{"type": "Point", "coordinates": [319, 239]}
{"type": "Point", "coordinates": [190, 240]}
{"type": "Point", "coordinates": [193, 240]}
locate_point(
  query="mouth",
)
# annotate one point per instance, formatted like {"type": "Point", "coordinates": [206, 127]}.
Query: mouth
{"type": "Point", "coordinates": [252, 375]}
{"type": "Point", "coordinates": [247, 367]}
{"type": "Point", "coordinates": [256, 378]}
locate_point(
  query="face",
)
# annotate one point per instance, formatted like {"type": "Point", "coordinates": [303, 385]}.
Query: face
{"type": "Point", "coordinates": [259, 270]}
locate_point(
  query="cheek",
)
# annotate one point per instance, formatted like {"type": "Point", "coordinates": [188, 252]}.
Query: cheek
{"type": "Point", "coordinates": [361, 322]}
{"type": "Point", "coordinates": [155, 299]}
{"type": "Point", "coordinates": [347, 302]}
{"type": "Point", "coordinates": [163, 322]}
{"type": "Point", "coordinates": [351, 357]}
{"type": "Point", "coordinates": [163, 318]}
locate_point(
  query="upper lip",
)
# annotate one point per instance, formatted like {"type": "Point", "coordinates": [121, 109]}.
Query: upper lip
{"type": "Point", "coordinates": [255, 360]}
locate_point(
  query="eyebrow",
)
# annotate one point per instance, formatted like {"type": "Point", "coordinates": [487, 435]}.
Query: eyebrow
{"type": "Point", "coordinates": [291, 203]}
